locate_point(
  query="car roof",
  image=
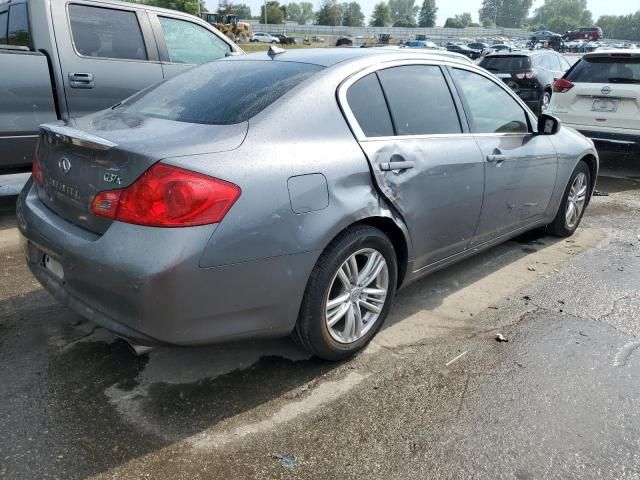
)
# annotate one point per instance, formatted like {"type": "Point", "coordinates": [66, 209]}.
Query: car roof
{"type": "Point", "coordinates": [327, 57]}
{"type": "Point", "coordinates": [618, 52]}
{"type": "Point", "coordinates": [520, 53]}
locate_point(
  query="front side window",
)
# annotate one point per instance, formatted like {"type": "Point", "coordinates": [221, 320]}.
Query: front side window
{"type": "Point", "coordinates": [4, 17]}
{"type": "Point", "coordinates": [366, 100]}
{"type": "Point", "coordinates": [220, 93]}
{"type": "Point", "coordinates": [18, 31]}
{"type": "Point", "coordinates": [106, 33]}
{"type": "Point", "coordinates": [190, 43]}
{"type": "Point", "coordinates": [489, 108]}
{"type": "Point", "coordinates": [419, 100]}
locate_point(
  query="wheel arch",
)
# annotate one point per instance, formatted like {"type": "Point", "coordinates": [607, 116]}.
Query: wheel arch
{"type": "Point", "coordinates": [592, 163]}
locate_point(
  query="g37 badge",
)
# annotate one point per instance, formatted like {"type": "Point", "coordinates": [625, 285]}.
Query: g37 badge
{"type": "Point", "coordinates": [112, 178]}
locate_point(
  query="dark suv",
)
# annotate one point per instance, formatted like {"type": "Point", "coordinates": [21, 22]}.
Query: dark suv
{"type": "Point", "coordinates": [529, 73]}
{"type": "Point", "coordinates": [587, 33]}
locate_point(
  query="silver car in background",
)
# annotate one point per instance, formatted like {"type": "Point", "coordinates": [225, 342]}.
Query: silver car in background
{"type": "Point", "coordinates": [290, 193]}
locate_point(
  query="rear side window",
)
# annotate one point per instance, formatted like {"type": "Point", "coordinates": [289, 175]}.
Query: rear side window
{"type": "Point", "coordinates": [18, 31]}
{"type": "Point", "coordinates": [106, 33]}
{"type": "Point", "coordinates": [506, 63]}
{"type": "Point", "coordinates": [220, 93]}
{"type": "Point", "coordinates": [419, 100]}
{"type": "Point", "coordinates": [489, 108]}
{"type": "Point", "coordinates": [4, 17]}
{"type": "Point", "coordinates": [623, 69]}
{"type": "Point", "coordinates": [190, 43]}
{"type": "Point", "coordinates": [367, 103]}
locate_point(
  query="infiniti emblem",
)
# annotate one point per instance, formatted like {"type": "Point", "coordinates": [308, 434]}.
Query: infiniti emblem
{"type": "Point", "coordinates": [606, 90]}
{"type": "Point", "coordinates": [65, 164]}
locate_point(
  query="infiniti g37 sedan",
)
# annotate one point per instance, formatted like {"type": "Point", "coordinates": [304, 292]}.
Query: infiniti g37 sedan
{"type": "Point", "coordinates": [192, 213]}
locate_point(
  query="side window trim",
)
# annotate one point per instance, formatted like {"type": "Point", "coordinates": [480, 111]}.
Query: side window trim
{"type": "Point", "coordinates": [503, 87]}
{"type": "Point", "coordinates": [386, 102]}
{"type": "Point", "coordinates": [152, 54]}
{"type": "Point", "coordinates": [28, 20]}
{"type": "Point", "coordinates": [353, 122]}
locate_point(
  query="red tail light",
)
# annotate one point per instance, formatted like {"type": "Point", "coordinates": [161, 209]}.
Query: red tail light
{"type": "Point", "coordinates": [562, 85]}
{"type": "Point", "coordinates": [36, 169]}
{"type": "Point", "coordinates": [528, 75]}
{"type": "Point", "coordinates": [167, 196]}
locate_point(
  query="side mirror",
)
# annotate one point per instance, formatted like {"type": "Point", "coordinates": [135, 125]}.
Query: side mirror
{"type": "Point", "coordinates": [548, 125]}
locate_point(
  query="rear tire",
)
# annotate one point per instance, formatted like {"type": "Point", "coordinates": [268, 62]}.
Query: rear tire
{"type": "Point", "coordinates": [545, 99]}
{"type": "Point", "coordinates": [349, 294]}
{"type": "Point", "coordinates": [573, 204]}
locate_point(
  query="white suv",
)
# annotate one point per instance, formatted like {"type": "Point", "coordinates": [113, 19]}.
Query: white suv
{"type": "Point", "coordinates": [600, 97]}
{"type": "Point", "coordinates": [263, 38]}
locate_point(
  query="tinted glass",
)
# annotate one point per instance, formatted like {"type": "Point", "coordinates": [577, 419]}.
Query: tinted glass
{"type": "Point", "coordinates": [606, 70]}
{"type": "Point", "coordinates": [367, 103]}
{"type": "Point", "coordinates": [506, 63]}
{"type": "Point", "coordinates": [19, 26]}
{"type": "Point", "coordinates": [419, 100]}
{"type": "Point", "coordinates": [4, 17]}
{"type": "Point", "coordinates": [106, 33]}
{"type": "Point", "coordinates": [190, 43]}
{"type": "Point", "coordinates": [220, 93]}
{"type": "Point", "coordinates": [489, 108]}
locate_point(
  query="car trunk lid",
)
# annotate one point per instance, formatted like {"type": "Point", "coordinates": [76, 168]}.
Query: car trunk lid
{"type": "Point", "coordinates": [110, 151]}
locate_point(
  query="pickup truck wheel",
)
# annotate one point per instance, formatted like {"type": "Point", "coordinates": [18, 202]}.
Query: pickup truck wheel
{"type": "Point", "coordinates": [573, 203]}
{"type": "Point", "coordinates": [348, 295]}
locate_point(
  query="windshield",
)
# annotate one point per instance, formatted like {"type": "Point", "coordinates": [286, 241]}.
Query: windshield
{"type": "Point", "coordinates": [220, 92]}
{"type": "Point", "coordinates": [508, 63]}
{"type": "Point", "coordinates": [622, 69]}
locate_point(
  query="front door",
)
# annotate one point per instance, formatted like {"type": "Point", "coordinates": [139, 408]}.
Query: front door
{"type": "Point", "coordinates": [105, 57]}
{"type": "Point", "coordinates": [424, 164]}
{"type": "Point", "coordinates": [520, 167]}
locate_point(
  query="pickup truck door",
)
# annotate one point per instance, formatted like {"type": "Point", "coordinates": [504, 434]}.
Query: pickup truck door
{"type": "Point", "coordinates": [186, 42]}
{"type": "Point", "coordinates": [107, 53]}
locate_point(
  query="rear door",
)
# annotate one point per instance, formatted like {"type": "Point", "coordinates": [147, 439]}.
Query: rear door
{"type": "Point", "coordinates": [107, 53]}
{"type": "Point", "coordinates": [183, 43]}
{"type": "Point", "coordinates": [423, 161]}
{"type": "Point", "coordinates": [520, 167]}
{"type": "Point", "coordinates": [605, 92]}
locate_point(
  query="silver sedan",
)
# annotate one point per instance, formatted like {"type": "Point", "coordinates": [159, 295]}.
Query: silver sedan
{"type": "Point", "coordinates": [291, 193]}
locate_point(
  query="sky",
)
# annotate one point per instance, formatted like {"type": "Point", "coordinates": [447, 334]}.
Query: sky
{"type": "Point", "coordinates": [449, 8]}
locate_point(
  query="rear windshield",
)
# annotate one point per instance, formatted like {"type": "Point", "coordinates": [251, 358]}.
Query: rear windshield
{"type": "Point", "coordinates": [220, 92]}
{"type": "Point", "coordinates": [508, 63]}
{"type": "Point", "coordinates": [606, 70]}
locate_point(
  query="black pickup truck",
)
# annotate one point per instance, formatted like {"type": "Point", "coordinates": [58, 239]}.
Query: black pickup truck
{"type": "Point", "coordinates": [67, 58]}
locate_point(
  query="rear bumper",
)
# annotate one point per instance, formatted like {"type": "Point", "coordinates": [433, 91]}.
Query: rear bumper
{"type": "Point", "coordinates": [610, 139]}
{"type": "Point", "coordinates": [146, 284]}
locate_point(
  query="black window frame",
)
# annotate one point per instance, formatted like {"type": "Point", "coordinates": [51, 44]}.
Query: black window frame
{"type": "Point", "coordinates": [145, 32]}
{"type": "Point", "coordinates": [3, 35]}
{"type": "Point", "coordinates": [353, 121]}
{"type": "Point", "coordinates": [466, 109]}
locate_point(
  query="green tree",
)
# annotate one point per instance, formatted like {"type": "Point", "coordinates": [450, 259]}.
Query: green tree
{"type": "Point", "coordinates": [188, 6]}
{"type": "Point", "coordinates": [428, 14]}
{"type": "Point", "coordinates": [275, 12]}
{"type": "Point", "coordinates": [622, 27]}
{"type": "Point", "coordinates": [352, 15]}
{"type": "Point", "coordinates": [505, 13]}
{"type": "Point", "coordinates": [562, 15]}
{"type": "Point", "coordinates": [381, 16]}
{"type": "Point", "coordinates": [454, 22]}
{"type": "Point", "coordinates": [307, 14]}
{"type": "Point", "coordinates": [330, 13]}
{"type": "Point", "coordinates": [403, 12]}
{"type": "Point", "coordinates": [293, 11]}
{"type": "Point", "coordinates": [242, 10]}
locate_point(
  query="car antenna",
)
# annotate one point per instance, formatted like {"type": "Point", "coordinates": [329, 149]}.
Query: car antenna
{"type": "Point", "coordinates": [273, 51]}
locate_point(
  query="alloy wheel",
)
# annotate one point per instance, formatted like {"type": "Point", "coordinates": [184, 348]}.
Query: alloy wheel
{"type": "Point", "coordinates": [576, 200]}
{"type": "Point", "coordinates": [357, 295]}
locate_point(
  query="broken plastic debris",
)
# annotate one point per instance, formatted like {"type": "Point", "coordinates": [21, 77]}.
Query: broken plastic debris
{"type": "Point", "coordinates": [531, 268]}
{"type": "Point", "coordinates": [501, 338]}
{"type": "Point", "coordinates": [287, 461]}
{"type": "Point", "coordinates": [598, 193]}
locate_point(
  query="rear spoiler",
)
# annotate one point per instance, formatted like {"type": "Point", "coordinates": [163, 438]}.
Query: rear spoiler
{"type": "Point", "coordinates": [78, 137]}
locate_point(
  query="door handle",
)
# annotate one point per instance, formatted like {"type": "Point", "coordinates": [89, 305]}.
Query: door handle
{"type": "Point", "coordinates": [401, 165]}
{"type": "Point", "coordinates": [81, 80]}
{"type": "Point", "coordinates": [496, 158]}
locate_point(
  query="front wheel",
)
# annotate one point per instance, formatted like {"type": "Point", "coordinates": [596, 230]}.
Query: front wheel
{"type": "Point", "coordinates": [573, 203]}
{"type": "Point", "coordinates": [349, 294]}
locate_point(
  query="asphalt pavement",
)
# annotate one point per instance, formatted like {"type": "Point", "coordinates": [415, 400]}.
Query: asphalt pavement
{"type": "Point", "coordinates": [435, 395]}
